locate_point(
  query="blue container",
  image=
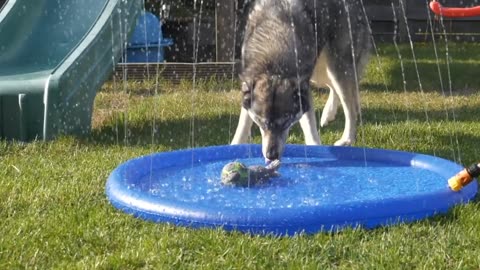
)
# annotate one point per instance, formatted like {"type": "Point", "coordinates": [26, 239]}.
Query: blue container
{"type": "Point", "coordinates": [319, 189]}
{"type": "Point", "coordinates": [147, 43]}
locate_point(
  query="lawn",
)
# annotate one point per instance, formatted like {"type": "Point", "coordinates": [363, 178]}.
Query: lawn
{"type": "Point", "coordinates": [54, 213]}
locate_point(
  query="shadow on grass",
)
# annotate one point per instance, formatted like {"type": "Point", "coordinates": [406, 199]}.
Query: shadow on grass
{"type": "Point", "coordinates": [463, 76]}
{"type": "Point", "coordinates": [384, 116]}
{"type": "Point", "coordinates": [219, 130]}
{"type": "Point", "coordinates": [175, 134]}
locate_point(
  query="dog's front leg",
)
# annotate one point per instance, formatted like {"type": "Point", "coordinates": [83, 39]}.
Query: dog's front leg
{"type": "Point", "coordinates": [242, 134]}
{"type": "Point", "coordinates": [309, 127]}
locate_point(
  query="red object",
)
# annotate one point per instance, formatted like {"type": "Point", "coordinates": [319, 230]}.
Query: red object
{"type": "Point", "coordinates": [438, 9]}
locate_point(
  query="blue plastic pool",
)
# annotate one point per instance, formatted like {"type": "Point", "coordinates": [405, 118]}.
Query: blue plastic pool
{"type": "Point", "coordinates": [320, 189]}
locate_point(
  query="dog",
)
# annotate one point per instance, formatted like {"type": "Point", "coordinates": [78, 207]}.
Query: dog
{"type": "Point", "coordinates": [289, 45]}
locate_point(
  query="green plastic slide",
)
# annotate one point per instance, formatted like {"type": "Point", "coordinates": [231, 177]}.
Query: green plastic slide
{"type": "Point", "coordinates": [54, 56]}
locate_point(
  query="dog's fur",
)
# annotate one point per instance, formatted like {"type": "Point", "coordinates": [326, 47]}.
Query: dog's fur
{"type": "Point", "coordinates": [289, 44]}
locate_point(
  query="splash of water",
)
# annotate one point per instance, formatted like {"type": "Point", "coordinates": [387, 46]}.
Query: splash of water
{"type": "Point", "coordinates": [402, 65]}
{"type": "Point", "coordinates": [455, 152]}
{"type": "Point", "coordinates": [147, 51]}
{"type": "Point", "coordinates": [123, 24]}
{"type": "Point", "coordinates": [425, 107]}
{"type": "Point", "coordinates": [197, 22]}
{"type": "Point", "coordinates": [297, 64]}
{"type": "Point", "coordinates": [114, 79]}
{"type": "Point", "coordinates": [355, 73]}
{"type": "Point", "coordinates": [295, 50]}
{"type": "Point", "coordinates": [379, 66]}
{"type": "Point", "coordinates": [232, 79]}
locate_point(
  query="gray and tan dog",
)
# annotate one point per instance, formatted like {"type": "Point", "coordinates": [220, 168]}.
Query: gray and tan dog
{"type": "Point", "coordinates": [288, 45]}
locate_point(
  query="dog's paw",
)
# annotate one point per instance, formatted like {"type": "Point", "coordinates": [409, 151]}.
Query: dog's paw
{"type": "Point", "coordinates": [344, 142]}
{"type": "Point", "coordinates": [316, 141]}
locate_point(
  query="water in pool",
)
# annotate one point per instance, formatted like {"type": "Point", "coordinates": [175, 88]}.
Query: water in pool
{"type": "Point", "coordinates": [302, 182]}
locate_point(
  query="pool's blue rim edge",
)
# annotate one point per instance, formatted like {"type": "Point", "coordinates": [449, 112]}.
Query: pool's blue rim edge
{"type": "Point", "coordinates": [288, 223]}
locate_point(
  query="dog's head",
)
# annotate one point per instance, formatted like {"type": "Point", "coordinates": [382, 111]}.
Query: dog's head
{"type": "Point", "coordinates": [275, 104]}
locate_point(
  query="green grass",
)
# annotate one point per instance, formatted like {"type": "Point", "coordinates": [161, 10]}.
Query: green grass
{"type": "Point", "coordinates": [54, 213]}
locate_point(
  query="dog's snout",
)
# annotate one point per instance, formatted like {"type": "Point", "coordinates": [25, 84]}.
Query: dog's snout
{"type": "Point", "coordinates": [273, 144]}
{"type": "Point", "coordinates": [272, 154]}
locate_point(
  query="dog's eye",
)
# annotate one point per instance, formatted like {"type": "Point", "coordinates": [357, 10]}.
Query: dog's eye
{"type": "Point", "coordinates": [289, 121]}
{"type": "Point", "coordinates": [247, 95]}
{"type": "Point", "coordinates": [287, 117]}
{"type": "Point", "coordinates": [284, 122]}
{"type": "Point", "coordinates": [301, 101]}
{"type": "Point", "coordinates": [305, 86]}
{"type": "Point", "coordinates": [245, 87]}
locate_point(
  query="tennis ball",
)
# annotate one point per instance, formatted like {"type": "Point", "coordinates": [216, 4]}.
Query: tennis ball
{"type": "Point", "coordinates": [235, 174]}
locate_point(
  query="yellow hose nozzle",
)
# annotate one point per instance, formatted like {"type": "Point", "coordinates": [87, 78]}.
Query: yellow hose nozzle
{"type": "Point", "coordinates": [464, 177]}
{"type": "Point", "coordinates": [460, 180]}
